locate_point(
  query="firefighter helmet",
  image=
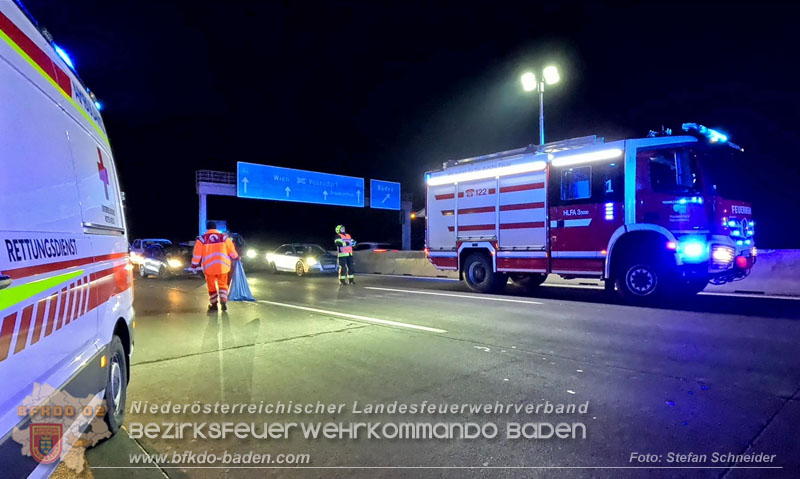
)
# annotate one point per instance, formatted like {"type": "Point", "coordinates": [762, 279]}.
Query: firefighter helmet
{"type": "Point", "coordinates": [339, 229]}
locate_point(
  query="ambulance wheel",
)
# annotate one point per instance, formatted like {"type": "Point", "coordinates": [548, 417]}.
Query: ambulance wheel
{"type": "Point", "coordinates": [116, 385]}
{"type": "Point", "coordinates": [299, 269]}
{"type": "Point", "coordinates": [640, 281]}
{"type": "Point", "coordinates": [480, 275]}
{"type": "Point", "coordinates": [529, 282]}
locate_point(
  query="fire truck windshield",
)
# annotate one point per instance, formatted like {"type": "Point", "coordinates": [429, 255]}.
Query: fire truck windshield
{"type": "Point", "coordinates": [721, 168]}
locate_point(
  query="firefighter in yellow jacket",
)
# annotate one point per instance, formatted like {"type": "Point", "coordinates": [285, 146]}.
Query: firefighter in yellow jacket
{"type": "Point", "coordinates": [214, 251]}
{"type": "Point", "coordinates": [344, 248]}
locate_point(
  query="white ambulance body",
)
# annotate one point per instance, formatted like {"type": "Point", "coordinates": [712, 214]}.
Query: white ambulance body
{"type": "Point", "coordinates": [66, 291]}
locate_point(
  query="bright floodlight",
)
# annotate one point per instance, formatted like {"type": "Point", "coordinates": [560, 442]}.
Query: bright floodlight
{"type": "Point", "coordinates": [528, 81]}
{"type": "Point", "coordinates": [550, 75]}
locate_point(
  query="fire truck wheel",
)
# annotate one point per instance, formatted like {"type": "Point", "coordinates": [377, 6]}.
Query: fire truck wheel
{"type": "Point", "coordinates": [640, 281]}
{"type": "Point", "coordinates": [529, 282]}
{"type": "Point", "coordinates": [116, 385]}
{"type": "Point", "coordinates": [480, 276]}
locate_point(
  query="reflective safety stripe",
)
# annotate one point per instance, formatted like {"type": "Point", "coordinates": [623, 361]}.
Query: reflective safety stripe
{"type": "Point", "coordinates": [346, 247]}
{"type": "Point", "coordinates": [219, 261]}
{"type": "Point", "coordinates": [17, 294]}
{"type": "Point", "coordinates": [214, 255]}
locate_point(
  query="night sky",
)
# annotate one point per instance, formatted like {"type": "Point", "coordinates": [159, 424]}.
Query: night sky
{"type": "Point", "coordinates": [389, 90]}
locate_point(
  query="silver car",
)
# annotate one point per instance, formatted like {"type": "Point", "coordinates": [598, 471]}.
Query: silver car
{"type": "Point", "coordinates": [301, 259]}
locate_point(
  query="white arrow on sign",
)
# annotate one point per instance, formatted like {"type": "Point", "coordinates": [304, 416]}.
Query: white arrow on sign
{"type": "Point", "coordinates": [287, 190]}
{"type": "Point", "coordinates": [388, 195]}
{"type": "Point", "coordinates": [325, 194]}
{"type": "Point", "coordinates": [358, 196]}
{"type": "Point", "coordinates": [245, 181]}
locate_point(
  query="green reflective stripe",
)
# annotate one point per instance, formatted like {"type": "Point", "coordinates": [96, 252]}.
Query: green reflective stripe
{"type": "Point", "coordinates": [16, 294]}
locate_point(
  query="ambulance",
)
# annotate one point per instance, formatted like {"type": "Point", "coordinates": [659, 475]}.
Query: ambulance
{"type": "Point", "coordinates": [642, 214]}
{"type": "Point", "coordinates": [66, 313]}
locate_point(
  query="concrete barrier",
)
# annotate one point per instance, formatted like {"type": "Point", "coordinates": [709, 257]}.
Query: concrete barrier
{"type": "Point", "coordinates": [777, 272]}
{"type": "Point", "coordinates": [407, 263]}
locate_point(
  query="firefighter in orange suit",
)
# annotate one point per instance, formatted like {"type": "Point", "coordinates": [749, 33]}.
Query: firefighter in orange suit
{"type": "Point", "coordinates": [344, 248]}
{"type": "Point", "coordinates": [214, 251]}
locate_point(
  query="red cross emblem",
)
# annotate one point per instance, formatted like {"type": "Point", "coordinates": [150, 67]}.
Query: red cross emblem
{"type": "Point", "coordinates": [102, 171]}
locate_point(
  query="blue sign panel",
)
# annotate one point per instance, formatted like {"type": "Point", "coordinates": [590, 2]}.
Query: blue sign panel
{"type": "Point", "coordinates": [264, 182]}
{"type": "Point", "coordinates": [384, 195]}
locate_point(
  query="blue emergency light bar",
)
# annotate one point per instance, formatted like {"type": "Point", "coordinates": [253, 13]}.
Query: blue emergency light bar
{"type": "Point", "coordinates": [713, 136]}
{"type": "Point", "coordinates": [64, 56]}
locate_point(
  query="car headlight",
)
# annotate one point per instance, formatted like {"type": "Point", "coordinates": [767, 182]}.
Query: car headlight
{"type": "Point", "coordinates": [251, 253]}
{"type": "Point", "coordinates": [174, 263]}
{"type": "Point", "coordinates": [311, 260]}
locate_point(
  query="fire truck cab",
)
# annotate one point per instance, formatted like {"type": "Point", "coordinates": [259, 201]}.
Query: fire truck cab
{"type": "Point", "coordinates": [641, 214]}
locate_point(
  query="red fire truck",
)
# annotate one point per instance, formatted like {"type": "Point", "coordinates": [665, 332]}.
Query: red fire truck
{"type": "Point", "coordinates": [641, 214]}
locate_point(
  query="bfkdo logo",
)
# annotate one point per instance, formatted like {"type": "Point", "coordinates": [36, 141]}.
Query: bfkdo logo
{"type": "Point", "coordinates": [46, 442]}
{"type": "Point", "coordinates": [59, 427]}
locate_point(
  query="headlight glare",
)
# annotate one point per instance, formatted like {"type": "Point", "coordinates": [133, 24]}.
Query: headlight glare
{"type": "Point", "coordinates": [174, 263]}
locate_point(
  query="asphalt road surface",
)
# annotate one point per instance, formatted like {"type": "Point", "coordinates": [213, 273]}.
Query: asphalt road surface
{"type": "Point", "coordinates": [719, 375]}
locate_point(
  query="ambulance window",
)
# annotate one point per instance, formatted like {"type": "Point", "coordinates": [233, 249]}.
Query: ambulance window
{"type": "Point", "coordinates": [576, 183]}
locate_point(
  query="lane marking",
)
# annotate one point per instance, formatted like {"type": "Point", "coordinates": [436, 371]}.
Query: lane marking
{"type": "Point", "coordinates": [431, 278]}
{"type": "Point", "coordinates": [747, 295]}
{"type": "Point", "coordinates": [595, 287]}
{"type": "Point", "coordinates": [455, 295]}
{"type": "Point", "coordinates": [703, 293]}
{"type": "Point", "coordinates": [357, 317]}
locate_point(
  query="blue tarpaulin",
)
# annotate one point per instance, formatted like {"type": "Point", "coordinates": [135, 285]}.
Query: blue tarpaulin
{"type": "Point", "coordinates": [240, 290]}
